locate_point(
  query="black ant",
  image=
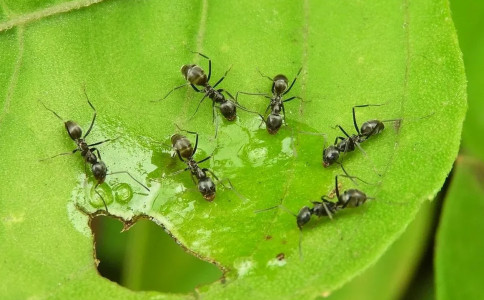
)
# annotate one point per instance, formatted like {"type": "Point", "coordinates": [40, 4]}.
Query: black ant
{"type": "Point", "coordinates": [279, 89]}
{"type": "Point", "coordinates": [196, 76]}
{"type": "Point", "coordinates": [325, 207]}
{"type": "Point", "coordinates": [98, 167]}
{"type": "Point", "coordinates": [183, 148]}
{"type": "Point", "coordinates": [368, 129]}
{"type": "Point", "coordinates": [349, 198]}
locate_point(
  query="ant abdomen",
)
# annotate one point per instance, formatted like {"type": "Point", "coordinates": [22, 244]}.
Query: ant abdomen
{"type": "Point", "coordinates": [194, 74]}
{"type": "Point", "coordinates": [182, 145]}
{"type": "Point", "coordinates": [74, 130]}
{"type": "Point", "coordinates": [352, 198]}
{"type": "Point", "coordinates": [372, 127]}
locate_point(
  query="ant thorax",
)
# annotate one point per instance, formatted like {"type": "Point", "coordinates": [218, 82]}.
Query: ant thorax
{"type": "Point", "coordinates": [348, 144]}
{"type": "Point", "coordinates": [215, 95]}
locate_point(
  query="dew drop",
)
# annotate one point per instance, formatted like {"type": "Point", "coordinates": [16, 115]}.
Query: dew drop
{"type": "Point", "coordinates": [123, 193]}
{"type": "Point", "coordinates": [106, 193]}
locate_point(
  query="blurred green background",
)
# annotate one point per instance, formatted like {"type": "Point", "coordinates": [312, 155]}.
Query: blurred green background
{"type": "Point", "coordinates": [436, 258]}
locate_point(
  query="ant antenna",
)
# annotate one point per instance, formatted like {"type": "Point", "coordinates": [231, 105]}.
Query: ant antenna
{"type": "Point", "coordinates": [60, 118]}
{"type": "Point", "coordinates": [271, 79]}
{"type": "Point", "coordinates": [126, 172]}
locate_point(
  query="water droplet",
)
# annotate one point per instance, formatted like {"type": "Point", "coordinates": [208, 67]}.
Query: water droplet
{"type": "Point", "coordinates": [122, 193]}
{"type": "Point", "coordinates": [103, 191]}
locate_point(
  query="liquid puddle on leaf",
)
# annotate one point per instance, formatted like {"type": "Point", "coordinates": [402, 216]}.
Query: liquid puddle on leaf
{"type": "Point", "coordinates": [174, 200]}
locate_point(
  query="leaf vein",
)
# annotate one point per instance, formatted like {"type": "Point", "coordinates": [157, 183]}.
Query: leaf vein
{"type": "Point", "coordinates": [46, 12]}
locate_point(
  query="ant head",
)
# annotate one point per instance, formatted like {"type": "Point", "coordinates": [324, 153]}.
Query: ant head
{"type": "Point", "coordinates": [279, 84]}
{"type": "Point", "coordinates": [229, 110]}
{"type": "Point", "coordinates": [99, 171]}
{"type": "Point", "coordinates": [207, 188]}
{"type": "Point", "coordinates": [303, 216]}
{"type": "Point", "coordinates": [371, 127]}
{"type": "Point", "coordinates": [194, 74]}
{"type": "Point", "coordinates": [74, 130]}
{"type": "Point", "coordinates": [330, 156]}
{"type": "Point", "coordinates": [273, 123]}
{"type": "Point", "coordinates": [352, 198]}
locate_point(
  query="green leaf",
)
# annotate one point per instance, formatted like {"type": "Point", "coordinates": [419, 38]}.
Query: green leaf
{"type": "Point", "coordinates": [390, 276]}
{"type": "Point", "coordinates": [129, 52]}
{"type": "Point", "coordinates": [468, 18]}
{"type": "Point", "coordinates": [459, 264]}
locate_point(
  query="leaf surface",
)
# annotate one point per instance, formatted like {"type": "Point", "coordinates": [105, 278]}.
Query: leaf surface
{"type": "Point", "coordinates": [458, 261]}
{"type": "Point", "coordinates": [404, 55]}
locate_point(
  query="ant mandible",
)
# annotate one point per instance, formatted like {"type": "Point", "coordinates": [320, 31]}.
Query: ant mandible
{"type": "Point", "coordinates": [279, 89]}
{"type": "Point", "coordinates": [98, 167]}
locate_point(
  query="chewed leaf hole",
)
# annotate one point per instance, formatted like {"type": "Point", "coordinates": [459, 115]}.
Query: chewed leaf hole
{"type": "Point", "coordinates": [145, 257]}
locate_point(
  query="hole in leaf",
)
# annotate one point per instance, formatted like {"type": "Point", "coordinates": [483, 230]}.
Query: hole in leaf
{"type": "Point", "coordinates": [145, 257]}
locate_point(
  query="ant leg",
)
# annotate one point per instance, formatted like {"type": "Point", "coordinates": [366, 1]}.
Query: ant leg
{"type": "Point", "coordinates": [126, 172]}
{"type": "Point", "coordinates": [252, 94]}
{"type": "Point", "coordinates": [102, 142]}
{"type": "Point", "coordinates": [215, 119]}
{"type": "Point", "coordinates": [328, 212]}
{"type": "Point", "coordinates": [231, 187]}
{"type": "Point", "coordinates": [266, 209]}
{"type": "Point", "coordinates": [223, 77]}
{"type": "Point", "coordinates": [174, 89]}
{"type": "Point", "coordinates": [284, 113]}
{"type": "Point", "coordinates": [198, 106]}
{"type": "Point", "coordinates": [205, 159]}
{"type": "Point", "coordinates": [345, 133]}
{"type": "Point", "coordinates": [59, 117]}
{"type": "Point", "coordinates": [60, 154]}
{"type": "Point", "coordinates": [195, 88]}
{"type": "Point", "coordinates": [104, 202]}
{"type": "Point", "coordinates": [267, 109]}
{"type": "Point", "coordinates": [209, 64]}
{"type": "Point", "coordinates": [292, 98]}
{"type": "Point", "coordinates": [97, 151]}
{"type": "Point", "coordinates": [338, 138]}
{"type": "Point", "coordinates": [193, 179]}
{"type": "Point", "coordinates": [93, 117]}
{"type": "Point", "coordinates": [230, 96]}
{"type": "Point", "coordinates": [294, 81]}
{"type": "Point", "coordinates": [355, 177]}
{"type": "Point", "coordinates": [179, 156]}
{"type": "Point", "coordinates": [179, 171]}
